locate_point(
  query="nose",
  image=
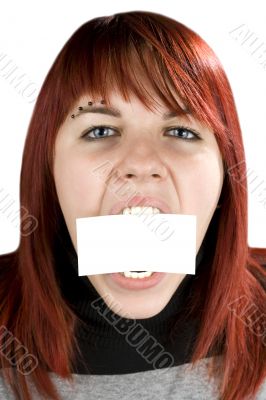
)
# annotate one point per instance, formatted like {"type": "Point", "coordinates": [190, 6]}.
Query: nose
{"type": "Point", "coordinates": [142, 163]}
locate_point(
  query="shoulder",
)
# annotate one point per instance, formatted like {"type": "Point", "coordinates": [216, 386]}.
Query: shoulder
{"type": "Point", "coordinates": [7, 273]}
{"type": "Point", "coordinates": [5, 391]}
{"type": "Point", "coordinates": [7, 260]}
{"type": "Point", "coordinates": [259, 254]}
{"type": "Point", "coordinates": [259, 268]}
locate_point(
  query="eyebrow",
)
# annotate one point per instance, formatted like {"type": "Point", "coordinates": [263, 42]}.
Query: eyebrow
{"type": "Point", "coordinates": [114, 112]}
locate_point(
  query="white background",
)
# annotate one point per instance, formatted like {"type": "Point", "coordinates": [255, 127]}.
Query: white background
{"type": "Point", "coordinates": [33, 33]}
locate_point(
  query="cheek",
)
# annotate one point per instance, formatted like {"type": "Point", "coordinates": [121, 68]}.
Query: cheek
{"type": "Point", "coordinates": [199, 183]}
{"type": "Point", "coordinates": [78, 188]}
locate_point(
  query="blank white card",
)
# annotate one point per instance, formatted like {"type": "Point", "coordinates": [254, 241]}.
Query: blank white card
{"type": "Point", "coordinates": [117, 243]}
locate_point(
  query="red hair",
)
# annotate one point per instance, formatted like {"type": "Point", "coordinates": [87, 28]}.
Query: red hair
{"type": "Point", "coordinates": [171, 57]}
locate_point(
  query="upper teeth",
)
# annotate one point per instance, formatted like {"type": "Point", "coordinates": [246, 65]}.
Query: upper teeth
{"type": "Point", "coordinates": [137, 210]}
{"type": "Point", "coordinates": [136, 275]}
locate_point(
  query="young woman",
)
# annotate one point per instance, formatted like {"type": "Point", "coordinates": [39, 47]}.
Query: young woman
{"type": "Point", "coordinates": [147, 95]}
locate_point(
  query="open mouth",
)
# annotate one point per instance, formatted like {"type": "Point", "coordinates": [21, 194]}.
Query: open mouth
{"type": "Point", "coordinates": [137, 283]}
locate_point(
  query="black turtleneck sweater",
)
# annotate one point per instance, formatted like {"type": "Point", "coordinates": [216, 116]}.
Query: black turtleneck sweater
{"type": "Point", "coordinates": [114, 366]}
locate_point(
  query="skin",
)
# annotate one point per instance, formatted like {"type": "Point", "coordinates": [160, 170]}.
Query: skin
{"type": "Point", "coordinates": [187, 174]}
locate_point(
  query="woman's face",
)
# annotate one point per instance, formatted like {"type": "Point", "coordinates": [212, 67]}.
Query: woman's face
{"type": "Point", "coordinates": [157, 158]}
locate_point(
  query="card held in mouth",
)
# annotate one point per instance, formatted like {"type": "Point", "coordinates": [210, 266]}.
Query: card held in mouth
{"type": "Point", "coordinates": [117, 243]}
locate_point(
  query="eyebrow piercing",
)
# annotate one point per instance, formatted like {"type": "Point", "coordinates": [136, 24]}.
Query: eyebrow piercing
{"type": "Point", "coordinates": [90, 103]}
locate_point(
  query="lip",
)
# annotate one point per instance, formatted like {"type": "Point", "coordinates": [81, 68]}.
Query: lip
{"type": "Point", "coordinates": [141, 201]}
{"type": "Point", "coordinates": [138, 283]}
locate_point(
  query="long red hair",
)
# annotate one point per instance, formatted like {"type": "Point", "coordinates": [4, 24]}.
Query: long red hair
{"type": "Point", "coordinates": [170, 56]}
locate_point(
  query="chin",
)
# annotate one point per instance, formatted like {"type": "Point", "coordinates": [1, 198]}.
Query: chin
{"type": "Point", "coordinates": [136, 309]}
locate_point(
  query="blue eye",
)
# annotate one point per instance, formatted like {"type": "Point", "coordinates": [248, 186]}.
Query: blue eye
{"type": "Point", "coordinates": [185, 133]}
{"type": "Point", "coordinates": [97, 130]}
{"type": "Point", "coordinates": [101, 132]}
